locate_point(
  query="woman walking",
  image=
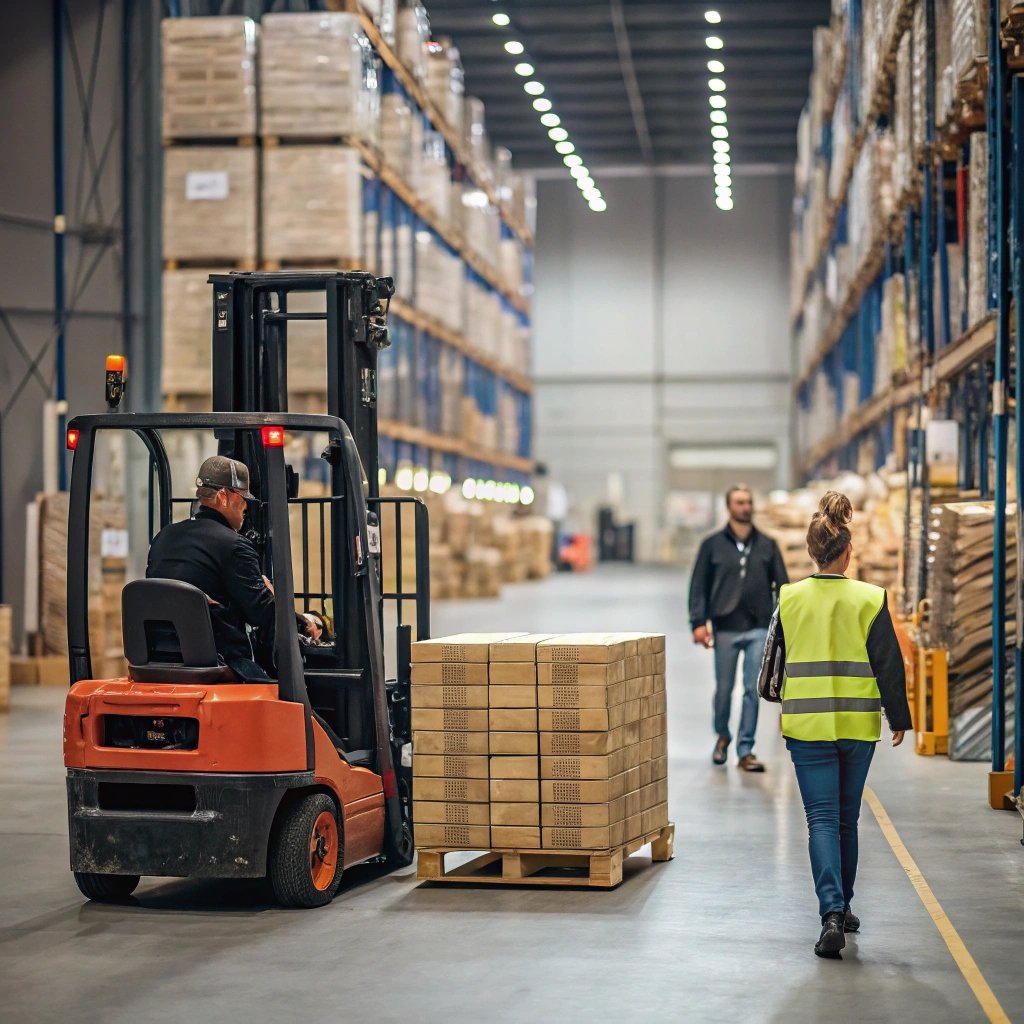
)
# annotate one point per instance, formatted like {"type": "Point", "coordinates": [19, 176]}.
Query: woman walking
{"type": "Point", "coordinates": [833, 661]}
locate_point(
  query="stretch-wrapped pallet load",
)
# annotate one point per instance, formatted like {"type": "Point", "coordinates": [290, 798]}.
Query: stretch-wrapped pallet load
{"type": "Point", "coordinates": [186, 362]}
{"type": "Point", "coordinates": [451, 777]}
{"type": "Point", "coordinates": [970, 35]}
{"type": "Point", "coordinates": [315, 81]}
{"type": "Point", "coordinates": [919, 54]}
{"type": "Point", "coordinates": [413, 35]}
{"type": "Point", "coordinates": [960, 615]}
{"type": "Point", "coordinates": [312, 203]}
{"type": "Point", "coordinates": [210, 207]}
{"type": "Point", "coordinates": [446, 81]}
{"type": "Point", "coordinates": [977, 230]}
{"type": "Point", "coordinates": [603, 739]}
{"type": "Point", "coordinates": [904, 165]}
{"type": "Point", "coordinates": [209, 77]}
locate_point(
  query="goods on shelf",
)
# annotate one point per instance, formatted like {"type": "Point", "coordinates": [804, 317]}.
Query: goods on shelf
{"type": "Point", "coordinates": [432, 180]}
{"type": "Point", "coordinates": [445, 83]}
{"type": "Point", "coordinates": [412, 37]}
{"type": "Point", "coordinates": [209, 77]}
{"type": "Point", "coordinates": [904, 160]}
{"type": "Point", "coordinates": [527, 741]}
{"type": "Point", "coordinates": [396, 133]}
{"type": "Point", "coordinates": [312, 203]}
{"type": "Point", "coordinates": [871, 199]}
{"type": "Point", "coordinates": [186, 365]}
{"type": "Point", "coordinates": [960, 615]}
{"type": "Point", "coordinates": [474, 132]}
{"type": "Point", "coordinates": [440, 281]}
{"type": "Point", "coordinates": [977, 230]}
{"type": "Point", "coordinates": [210, 204]}
{"type": "Point", "coordinates": [318, 77]}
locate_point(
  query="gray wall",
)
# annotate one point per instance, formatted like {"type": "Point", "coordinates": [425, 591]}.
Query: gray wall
{"type": "Point", "coordinates": [662, 321]}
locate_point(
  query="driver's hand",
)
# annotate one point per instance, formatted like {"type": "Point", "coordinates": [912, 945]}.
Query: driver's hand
{"type": "Point", "coordinates": [268, 584]}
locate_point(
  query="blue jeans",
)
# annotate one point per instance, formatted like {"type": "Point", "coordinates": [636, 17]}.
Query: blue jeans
{"type": "Point", "coordinates": [831, 776]}
{"type": "Point", "coordinates": [728, 647]}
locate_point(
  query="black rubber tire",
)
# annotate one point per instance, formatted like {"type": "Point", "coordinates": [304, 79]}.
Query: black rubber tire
{"type": "Point", "coordinates": [288, 866]}
{"type": "Point", "coordinates": [106, 888]}
{"type": "Point", "coordinates": [402, 854]}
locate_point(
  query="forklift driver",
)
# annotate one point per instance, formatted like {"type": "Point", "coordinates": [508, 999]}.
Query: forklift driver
{"type": "Point", "coordinates": [208, 552]}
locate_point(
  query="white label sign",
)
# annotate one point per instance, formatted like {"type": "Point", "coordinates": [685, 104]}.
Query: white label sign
{"type": "Point", "coordinates": [206, 185]}
{"type": "Point", "coordinates": [114, 544]}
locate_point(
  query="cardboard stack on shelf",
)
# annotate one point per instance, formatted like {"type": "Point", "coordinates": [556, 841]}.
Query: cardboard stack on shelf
{"type": "Point", "coordinates": [451, 779]}
{"type": "Point", "coordinates": [445, 81]}
{"type": "Point", "coordinates": [412, 37]}
{"type": "Point", "coordinates": [209, 77]}
{"type": "Point", "coordinates": [977, 229]}
{"type": "Point", "coordinates": [960, 615]}
{"type": "Point", "coordinates": [603, 739]}
{"type": "Point", "coordinates": [5, 657]}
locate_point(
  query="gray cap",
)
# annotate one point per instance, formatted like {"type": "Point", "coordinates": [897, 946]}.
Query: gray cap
{"type": "Point", "coordinates": [219, 471]}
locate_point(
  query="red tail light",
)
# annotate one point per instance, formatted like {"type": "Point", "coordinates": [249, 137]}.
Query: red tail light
{"type": "Point", "coordinates": [72, 438]}
{"type": "Point", "coordinates": [273, 437]}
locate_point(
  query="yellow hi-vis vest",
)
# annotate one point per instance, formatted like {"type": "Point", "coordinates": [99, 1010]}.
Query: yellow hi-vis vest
{"type": "Point", "coordinates": [830, 691]}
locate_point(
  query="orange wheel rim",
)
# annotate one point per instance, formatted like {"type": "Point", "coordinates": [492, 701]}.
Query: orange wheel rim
{"type": "Point", "coordinates": [323, 850]}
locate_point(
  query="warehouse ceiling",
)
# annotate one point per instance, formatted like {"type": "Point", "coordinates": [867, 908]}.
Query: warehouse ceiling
{"type": "Point", "coordinates": [629, 78]}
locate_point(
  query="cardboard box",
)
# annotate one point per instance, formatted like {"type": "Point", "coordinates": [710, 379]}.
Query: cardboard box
{"type": "Point", "coordinates": [659, 768]}
{"type": "Point", "coordinates": [450, 743]}
{"type": "Point", "coordinates": [604, 838]}
{"type": "Point", "coordinates": [450, 790]}
{"type": "Point", "coordinates": [588, 815]}
{"type": "Point", "coordinates": [654, 818]}
{"type": "Point", "coordinates": [514, 767]}
{"type": "Point", "coordinates": [655, 704]}
{"type": "Point", "coordinates": [522, 791]}
{"type": "Point", "coordinates": [449, 766]}
{"type": "Point", "coordinates": [518, 743]}
{"type": "Point", "coordinates": [512, 720]}
{"type": "Point", "coordinates": [428, 812]}
{"type": "Point", "coordinates": [651, 727]}
{"type": "Point", "coordinates": [521, 649]}
{"type": "Point", "coordinates": [588, 719]}
{"type": "Point", "coordinates": [587, 648]}
{"type": "Point", "coordinates": [519, 814]}
{"type": "Point", "coordinates": [449, 719]}
{"type": "Point", "coordinates": [603, 766]}
{"type": "Point", "coordinates": [513, 837]}
{"type": "Point", "coordinates": [660, 663]}
{"type": "Point", "coordinates": [449, 697]}
{"type": "Point", "coordinates": [459, 647]}
{"type": "Point", "coordinates": [589, 743]}
{"type": "Point", "coordinates": [512, 697]}
{"type": "Point", "coordinates": [513, 673]}
{"type": "Point", "coordinates": [575, 791]}
{"type": "Point", "coordinates": [46, 670]}
{"type": "Point", "coordinates": [634, 827]}
{"type": "Point", "coordinates": [453, 837]}
{"type": "Point", "coordinates": [449, 673]}
{"type": "Point", "coordinates": [557, 674]}
{"type": "Point", "coordinates": [581, 696]}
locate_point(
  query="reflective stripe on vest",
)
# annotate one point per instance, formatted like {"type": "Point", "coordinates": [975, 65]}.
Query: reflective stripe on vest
{"type": "Point", "coordinates": [830, 691]}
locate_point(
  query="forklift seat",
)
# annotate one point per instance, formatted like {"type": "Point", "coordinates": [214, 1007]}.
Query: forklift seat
{"type": "Point", "coordinates": [168, 634]}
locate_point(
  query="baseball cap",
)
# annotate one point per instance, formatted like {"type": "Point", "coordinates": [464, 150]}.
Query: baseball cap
{"type": "Point", "coordinates": [219, 471]}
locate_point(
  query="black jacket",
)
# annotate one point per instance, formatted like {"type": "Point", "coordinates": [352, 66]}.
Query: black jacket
{"type": "Point", "coordinates": [207, 553]}
{"type": "Point", "coordinates": [717, 585]}
{"type": "Point", "coordinates": [884, 654]}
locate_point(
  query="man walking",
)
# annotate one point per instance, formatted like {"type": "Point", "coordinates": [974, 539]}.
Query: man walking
{"type": "Point", "coordinates": [735, 585]}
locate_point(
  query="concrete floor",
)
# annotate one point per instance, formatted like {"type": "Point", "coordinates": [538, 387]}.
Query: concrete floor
{"type": "Point", "coordinates": [724, 932]}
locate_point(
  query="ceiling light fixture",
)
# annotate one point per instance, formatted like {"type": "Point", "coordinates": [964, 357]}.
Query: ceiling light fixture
{"type": "Point", "coordinates": [721, 168]}
{"type": "Point", "coordinates": [550, 120]}
{"type": "Point", "coordinates": [720, 146]}
{"type": "Point", "coordinates": [591, 194]}
{"type": "Point", "coordinates": [723, 179]}
{"type": "Point", "coordinates": [557, 134]}
{"type": "Point", "coordinates": [714, 42]}
{"type": "Point", "coordinates": [719, 131]}
{"type": "Point", "coordinates": [501, 20]}
{"type": "Point", "coordinates": [542, 104]}
{"type": "Point", "coordinates": [712, 17]}
{"type": "Point", "coordinates": [524, 70]}
{"type": "Point", "coordinates": [719, 117]}
{"type": "Point", "coordinates": [716, 85]}
{"type": "Point", "coordinates": [598, 205]}
{"type": "Point", "coordinates": [723, 190]}
{"type": "Point", "coordinates": [514, 47]}
{"type": "Point", "coordinates": [718, 102]}
{"type": "Point", "coordinates": [573, 159]}
{"type": "Point", "coordinates": [580, 171]}
{"type": "Point", "coordinates": [716, 67]}
{"type": "Point", "coordinates": [724, 202]}
{"type": "Point", "coordinates": [565, 148]}
{"type": "Point", "coordinates": [584, 183]}
{"type": "Point", "coordinates": [534, 88]}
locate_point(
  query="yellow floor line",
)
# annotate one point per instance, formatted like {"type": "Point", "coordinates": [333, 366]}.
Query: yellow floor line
{"type": "Point", "coordinates": [968, 968]}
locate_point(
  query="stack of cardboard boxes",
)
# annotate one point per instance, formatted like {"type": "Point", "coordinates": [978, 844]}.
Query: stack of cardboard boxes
{"type": "Point", "coordinates": [528, 742]}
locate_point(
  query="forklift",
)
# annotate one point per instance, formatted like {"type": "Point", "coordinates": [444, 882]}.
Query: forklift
{"type": "Point", "coordinates": [182, 770]}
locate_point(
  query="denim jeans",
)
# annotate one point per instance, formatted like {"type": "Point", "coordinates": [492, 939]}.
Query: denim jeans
{"type": "Point", "coordinates": [728, 647]}
{"type": "Point", "coordinates": [831, 776]}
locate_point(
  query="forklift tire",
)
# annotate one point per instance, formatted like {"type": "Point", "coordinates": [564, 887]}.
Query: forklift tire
{"type": "Point", "coordinates": [402, 854]}
{"type": "Point", "coordinates": [306, 855]}
{"type": "Point", "coordinates": [106, 888]}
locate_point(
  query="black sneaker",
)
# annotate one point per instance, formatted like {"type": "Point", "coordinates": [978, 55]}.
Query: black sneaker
{"type": "Point", "coordinates": [832, 939]}
{"type": "Point", "coordinates": [851, 922]}
{"type": "Point", "coordinates": [721, 751]}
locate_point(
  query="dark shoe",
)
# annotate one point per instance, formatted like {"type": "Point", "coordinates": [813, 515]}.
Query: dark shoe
{"type": "Point", "coordinates": [749, 763]}
{"type": "Point", "coordinates": [832, 939]}
{"type": "Point", "coordinates": [851, 922]}
{"type": "Point", "coordinates": [721, 750]}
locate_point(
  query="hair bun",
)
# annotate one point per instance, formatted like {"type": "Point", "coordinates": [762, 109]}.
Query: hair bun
{"type": "Point", "coordinates": [836, 508]}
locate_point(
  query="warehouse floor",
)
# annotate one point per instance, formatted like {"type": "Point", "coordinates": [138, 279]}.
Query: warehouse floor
{"type": "Point", "coordinates": [724, 932]}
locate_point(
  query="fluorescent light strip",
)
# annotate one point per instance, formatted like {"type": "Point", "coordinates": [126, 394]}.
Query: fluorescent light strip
{"type": "Point", "coordinates": [719, 119]}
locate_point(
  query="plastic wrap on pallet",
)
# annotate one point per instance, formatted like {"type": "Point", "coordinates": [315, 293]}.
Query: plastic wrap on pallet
{"type": "Point", "coordinates": [312, 203]}
{"type": "Point", "coordinates": [874, 23]}
{"type": "Point", "coordinates": [977, 230]}
{"type": "Point", "coordinates": [474, 132]}
{"type": "Point", "coordinates": [186, 363]}
{"type": "Point", "coordinates": [945, 73]}
{"type": "Point", "coordinates": [970, 732]}
{"type": "Point", "coordinates": [440, 281]}
{"type": "Point", "coordinates": [413, 34]}
{"type": "Point", "coordinates": [870, 198]}
{"type": "Point", "coordinates": [209, 77]}
{"type": "Point", "coordinates": [315, 79]}
{"type": "Point", "coordinates": [842, 141]}
{"type": "Point", "coordinates": [210, 209]}
{"type": "Point", "coordinates": [918, 50]}
{"type": "Point", "coordinates": [445, 81]}
{"type": "Point", "coordinates": [904, 164]}
{"type": "Point", "coordinates": [433, 181]}
{"type": "Point", "coordinates": [396, 133]}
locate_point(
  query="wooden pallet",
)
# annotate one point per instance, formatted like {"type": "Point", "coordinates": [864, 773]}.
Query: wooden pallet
{"type": "Point", "coordinates": [312, 264]}
{"type": "Point", "coordinates": [210, 263]}
{"type": "Point", "coordinates": [245, 141]}
{"type": "Point", "coordinates": [594, 869]}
